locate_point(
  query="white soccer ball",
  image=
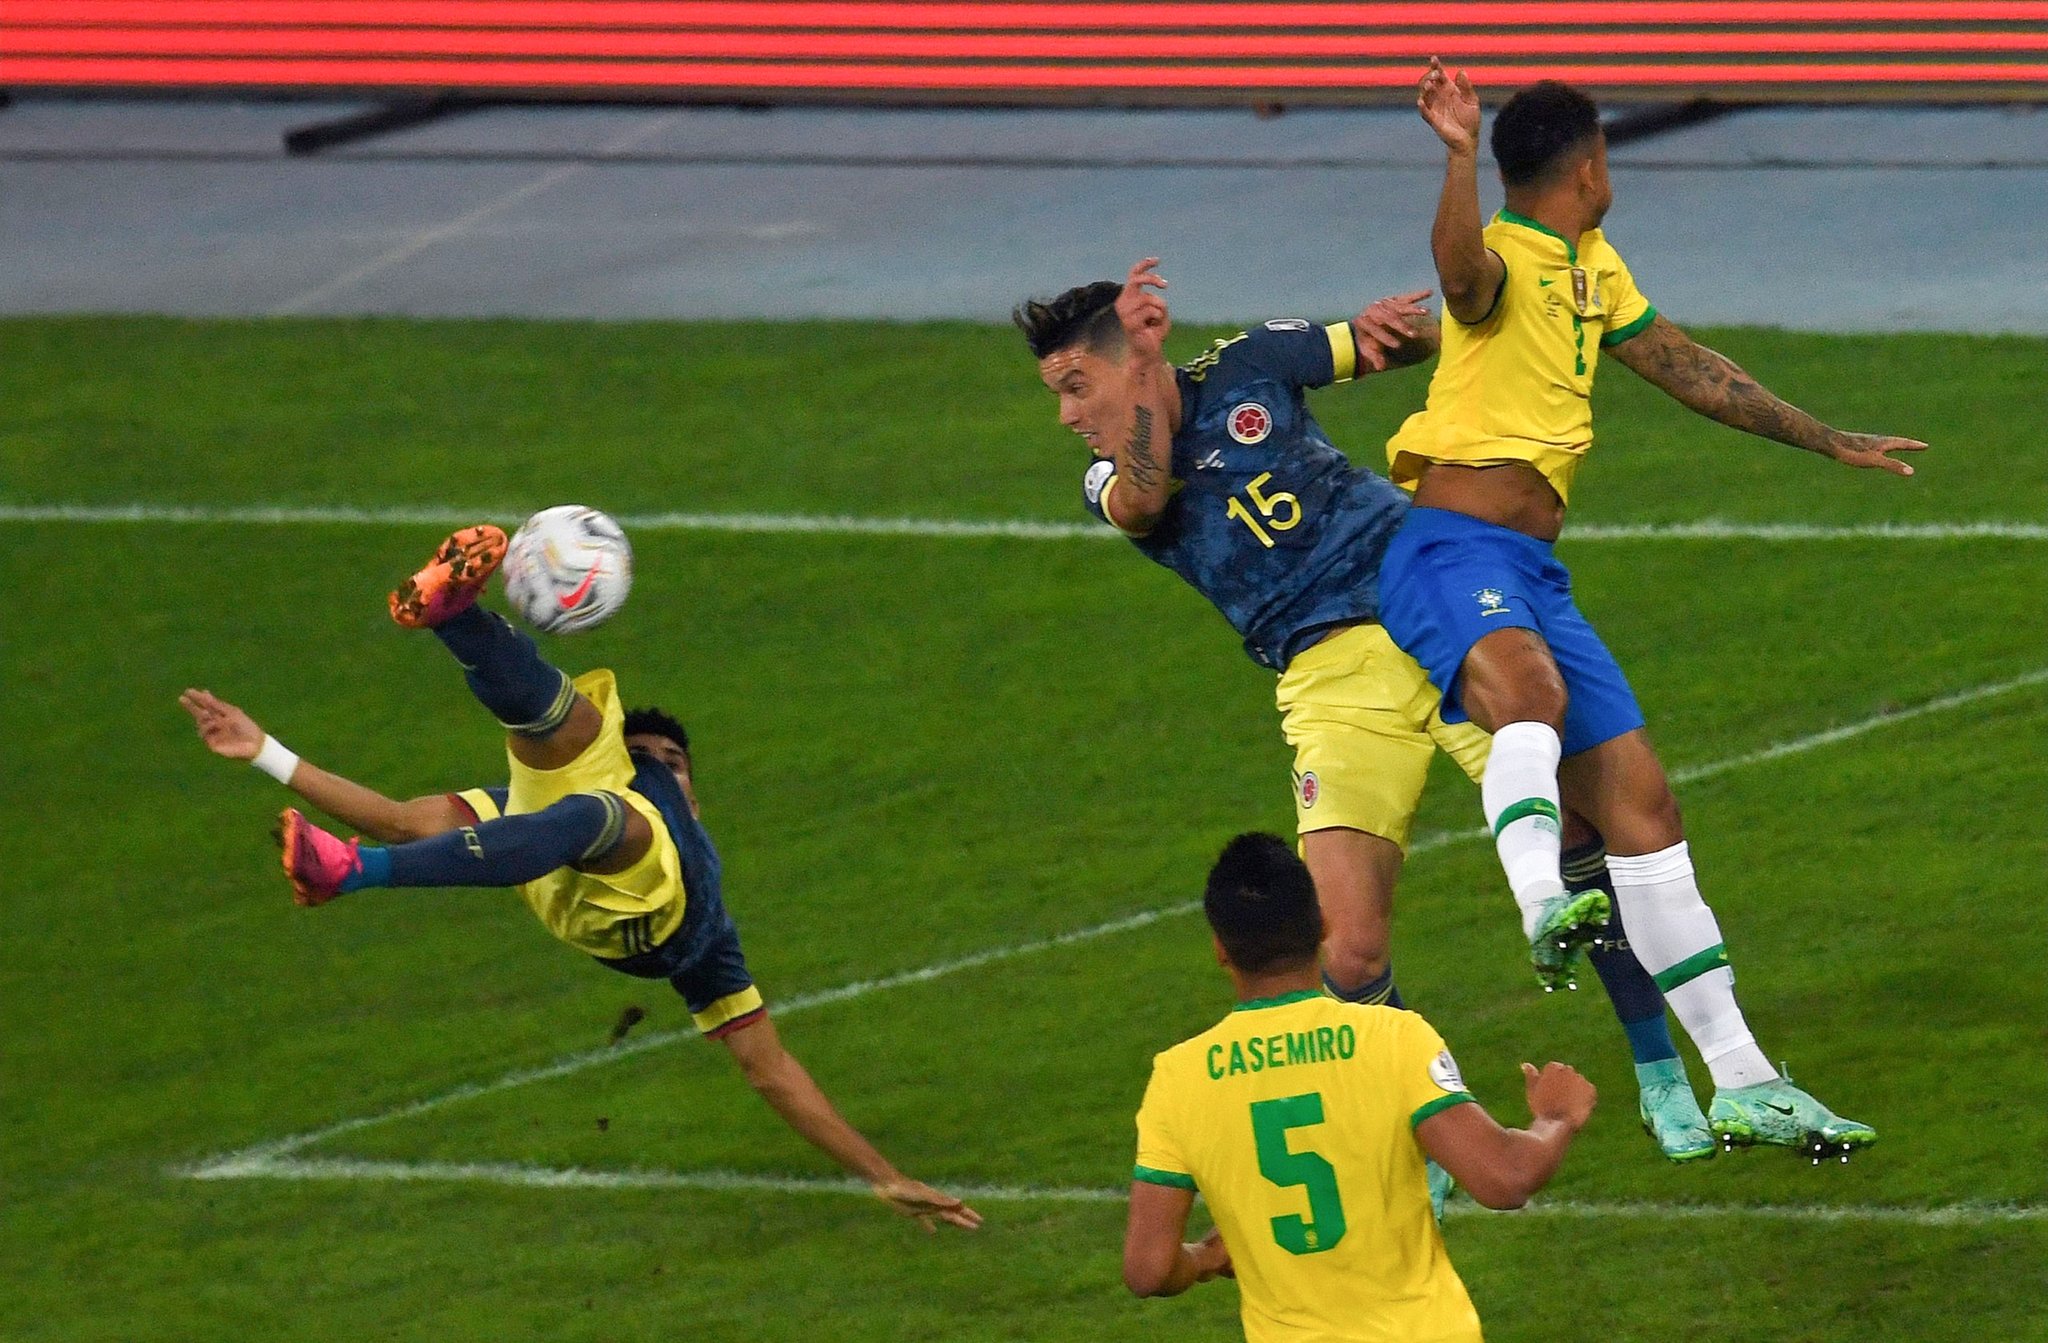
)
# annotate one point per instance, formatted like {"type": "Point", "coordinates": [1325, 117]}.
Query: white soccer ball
{"type": "Point", "coordinates": [568, 568]}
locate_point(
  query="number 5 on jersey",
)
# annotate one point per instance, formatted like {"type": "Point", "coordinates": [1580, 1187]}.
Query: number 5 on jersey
{"type": "Point", "coordinates": [1269, 506]}
{"type": "Point", "coordinates": [1271, 1120]}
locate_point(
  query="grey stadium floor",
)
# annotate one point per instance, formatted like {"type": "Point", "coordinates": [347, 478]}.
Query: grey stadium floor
{"type": "Point", "coordinates": [1819, 219]}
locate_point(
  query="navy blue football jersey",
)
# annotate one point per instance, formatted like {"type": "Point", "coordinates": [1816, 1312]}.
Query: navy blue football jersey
{"type": "Point", "coordinates": [1269, 520]}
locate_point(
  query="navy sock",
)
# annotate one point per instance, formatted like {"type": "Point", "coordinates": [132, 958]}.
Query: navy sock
{"type": "Point", "coordinates": [507, 673]}
{"type": "Point", "coordinates": [1637, 1001]}
{"type": "Point", "coordinates": [505, 852]}
{"type": "Point", "coordinates": [1380, 992]}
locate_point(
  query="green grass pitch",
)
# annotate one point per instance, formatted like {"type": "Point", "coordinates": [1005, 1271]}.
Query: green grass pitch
{"type": "Point", "coordinates": [914, 750]}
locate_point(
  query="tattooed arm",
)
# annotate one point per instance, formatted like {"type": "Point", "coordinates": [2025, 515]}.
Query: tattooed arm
{"type": "Point", "coordinates": [1715, 386]}
{"type": "Point", "coordinates": [1142, 446]}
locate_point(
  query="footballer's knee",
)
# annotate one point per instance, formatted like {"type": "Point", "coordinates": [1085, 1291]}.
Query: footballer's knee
{"type": "Point", "coordinates": [1510, 677]}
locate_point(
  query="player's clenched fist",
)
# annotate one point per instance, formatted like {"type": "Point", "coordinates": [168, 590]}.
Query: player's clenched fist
{"type": "Point", "coordinates": [1558, 1092]}
{"type": "Point", "coordinates": [1143, 311]}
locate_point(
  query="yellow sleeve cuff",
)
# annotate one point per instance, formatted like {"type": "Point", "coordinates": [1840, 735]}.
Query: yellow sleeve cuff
{"type": "Point", "coordinates": [1343, 352]}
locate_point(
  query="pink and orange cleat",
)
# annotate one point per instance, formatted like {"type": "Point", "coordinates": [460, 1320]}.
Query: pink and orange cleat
{"type": "Point", "coordinates": [316, 861]}
{"type": "Point", "coordinates": [449, 583]}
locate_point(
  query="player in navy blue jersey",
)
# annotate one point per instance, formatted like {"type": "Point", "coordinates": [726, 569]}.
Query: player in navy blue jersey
{"type": "Point", "coordinates": [1218, 471]}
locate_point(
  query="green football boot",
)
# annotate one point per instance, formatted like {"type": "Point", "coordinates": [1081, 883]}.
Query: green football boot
{"type": "Point", "coordinates": [1568, 922]}
{"type": "Point", "coordinates": [1440, 1186]}
{"type": "Point", "coordinates": [1671, 1114]}
{"type": "Point", "coordinates": [1778, 1114]}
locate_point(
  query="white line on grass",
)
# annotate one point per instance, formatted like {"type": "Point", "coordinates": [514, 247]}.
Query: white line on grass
{"type": "Point", "coordinates": [805, 524]}
{"type": "Point", "coordinates": [509, 1175]}
{"type": "Point", "coordinates": [261, 1160]}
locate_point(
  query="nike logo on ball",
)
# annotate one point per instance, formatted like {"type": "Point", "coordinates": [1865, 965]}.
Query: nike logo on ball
{"type": "Point", "coordinates": [575, 599]}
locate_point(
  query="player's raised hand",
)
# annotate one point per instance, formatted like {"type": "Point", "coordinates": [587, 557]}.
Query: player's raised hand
{"type": "Point", "coordinates": [1558, 1092]}
{"type": "Point", "coordinates": [225, 729]}
{"type": "Point", "coordinates": [1395, 331]}
{"type": "Point", "coordinates": [1450, 107]}
{"type": "Point", "coordinates": [1142, 310]}
{"type": "Point", "coordinates": [926, 1205]}
{"type": "Point", "coordinates": [1873, 451]}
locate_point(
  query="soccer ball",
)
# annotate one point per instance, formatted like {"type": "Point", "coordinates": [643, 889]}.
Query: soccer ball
{"type": "Point", "coordinates": [568, 568]}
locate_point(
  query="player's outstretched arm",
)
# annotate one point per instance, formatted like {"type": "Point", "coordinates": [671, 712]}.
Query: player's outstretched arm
{"type": "Point", "coordinates": [774, 1073]}
{"type": "Point", "coordinates": [232, 734]}
{"type": "Point", "coordinates": [1469, 274]}
{"type": "Point", "coordinates": [1502, 1167]}
{"type": "Point", "coordinates": [1157, 1262]}
{"type": "Point", "coordinates": [1711, 383]}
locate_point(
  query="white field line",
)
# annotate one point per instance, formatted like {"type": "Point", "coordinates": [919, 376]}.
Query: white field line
{"type": "Point", "coordinates": [262, 1159]}
{"type": "Point", "coordinates": [512, 1176]}
{"type": "Point", "coordinates": [444, 515]}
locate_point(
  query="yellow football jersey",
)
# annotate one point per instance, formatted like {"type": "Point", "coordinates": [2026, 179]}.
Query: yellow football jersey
{"type": "Point", "coordinates": [1517, 385]}
{"type": "Point", "coordinates": [1294, 1116]}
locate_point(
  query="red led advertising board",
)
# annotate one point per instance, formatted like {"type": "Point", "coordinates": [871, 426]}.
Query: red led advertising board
{"type": "Point", "coordinates": [1027, 52]}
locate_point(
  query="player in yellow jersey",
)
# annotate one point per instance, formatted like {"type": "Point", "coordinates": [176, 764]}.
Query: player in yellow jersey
{"type": "Point", "coordinates": [1303, 1122]}
{"type": "Point", "coordinates": [597, 829]}
{"type": "Point", "coordinates": [1470, 586]}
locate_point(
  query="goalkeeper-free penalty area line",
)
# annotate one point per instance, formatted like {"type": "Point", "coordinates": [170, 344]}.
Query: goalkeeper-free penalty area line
{"type": "Point", "coordinates": [277, 1160]}
{"type": "Point", "coordinates": [806, 524]}
{"type": "Point", "coordinates": [513, 1176]}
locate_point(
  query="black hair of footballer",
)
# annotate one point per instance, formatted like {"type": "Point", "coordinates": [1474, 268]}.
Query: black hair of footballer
{"type": "Point", "coordinates": [1542, 129]}
{"type": "Point", "coordinates": [1083, 315]}
{"type": "Point", "coordinates": [654, 723]}
{"type": "Point", "coordinates": [1262, 903]}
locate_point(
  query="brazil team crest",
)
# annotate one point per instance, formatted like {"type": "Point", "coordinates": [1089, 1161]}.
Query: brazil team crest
{"type": "Point", "coordinates": [1250, 422]}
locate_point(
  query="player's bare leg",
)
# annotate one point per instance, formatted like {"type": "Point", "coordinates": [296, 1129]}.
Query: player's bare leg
{"type": "Point", "coordinates": [1510, 685]}
{"type": "Point", "coordinates": [1355, 873]}
{"type": "Point", "coordinates": [1621, 788]}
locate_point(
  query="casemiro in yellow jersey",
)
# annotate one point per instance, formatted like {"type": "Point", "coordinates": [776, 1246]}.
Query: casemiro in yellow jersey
{"type": "Point", "coordinates": [1294, 1117]}
{"type": "Point", "coordinates": [1517, 385]}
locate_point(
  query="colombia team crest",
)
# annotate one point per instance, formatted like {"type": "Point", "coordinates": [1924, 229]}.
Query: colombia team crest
{"type": "Point", "coordinates": [1250, 422]}
{"type": "Point", "coordinates": [1311, 788]}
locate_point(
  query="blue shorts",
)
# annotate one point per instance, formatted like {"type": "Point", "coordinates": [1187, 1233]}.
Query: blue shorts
{"type": "Point", "coordinates": [1449, 580]}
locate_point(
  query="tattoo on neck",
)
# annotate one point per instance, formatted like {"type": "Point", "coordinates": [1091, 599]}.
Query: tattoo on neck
{"type": "Point", "coordinates": [1144, 468]}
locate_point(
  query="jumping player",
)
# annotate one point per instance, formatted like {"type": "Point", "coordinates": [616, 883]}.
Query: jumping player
{"type": "Point", "coordinates": [1471, 587]}
{"type": "Point", "coordinates": [1218, 471]}
{"type": "Point", "coordinates": [1304, 1121]}
{"type": "Point", "coordinates": [597, 828]}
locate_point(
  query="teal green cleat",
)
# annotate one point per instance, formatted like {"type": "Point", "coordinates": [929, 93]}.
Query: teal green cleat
{"type": "Point", "coordinates": [1440, 1186]}
{"type": "Point", "coordinates": [1671, 1114]}
{"type": "Point", "coordinates": [1778, 1114]}
{"type": "Point", "coordinates": [1568, 922]}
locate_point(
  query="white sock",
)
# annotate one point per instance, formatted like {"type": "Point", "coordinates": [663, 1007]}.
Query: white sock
{"type": "Point", "coordinates": [1519, 795]}
{"type": "Point", "coordinates": [1678, 940]}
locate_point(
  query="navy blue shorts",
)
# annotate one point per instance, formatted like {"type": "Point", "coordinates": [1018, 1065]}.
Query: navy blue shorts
{"type": "Point", "coordinates": [1449, 580]}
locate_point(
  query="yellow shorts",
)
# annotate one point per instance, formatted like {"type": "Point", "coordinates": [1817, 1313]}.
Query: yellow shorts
{"type": "Point", "coordinates": [613, 914]}
{"type": "Point", "coordinates": [1362, 719]}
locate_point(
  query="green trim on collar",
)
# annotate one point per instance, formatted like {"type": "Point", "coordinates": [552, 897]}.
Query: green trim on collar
{"type": "Point", "coordinates": [1571, 249]}
{"type": "Point", "coordinates": [1299, 995]}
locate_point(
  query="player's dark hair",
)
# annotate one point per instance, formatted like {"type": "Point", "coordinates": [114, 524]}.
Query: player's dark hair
{"type": "Point", "coordinates": [1084, 315]}
{"type": "Point", "coordinates": [653, 722]}
{"type": "Point", "coordinates": [1542, 129]}
{"type": "Point", "coordinates": [1262, 903]}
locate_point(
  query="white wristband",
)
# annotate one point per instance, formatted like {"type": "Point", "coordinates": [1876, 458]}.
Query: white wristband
{"type": "Point", "coordinates": [276, 760]}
